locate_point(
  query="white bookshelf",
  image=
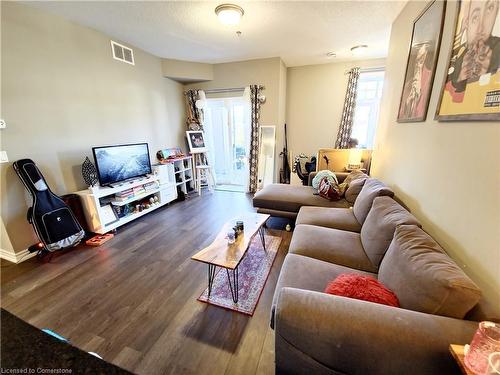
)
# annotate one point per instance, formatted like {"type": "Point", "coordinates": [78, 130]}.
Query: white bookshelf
{"type": "Point", "coordinates": [183, 172]}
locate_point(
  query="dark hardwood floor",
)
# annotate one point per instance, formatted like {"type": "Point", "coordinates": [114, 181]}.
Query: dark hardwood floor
{"type": "Point", "coordinates": [133, 300]}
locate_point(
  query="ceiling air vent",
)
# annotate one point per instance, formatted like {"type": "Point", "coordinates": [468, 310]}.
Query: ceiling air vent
{"type": "Point", "coordinates": [122, 53]}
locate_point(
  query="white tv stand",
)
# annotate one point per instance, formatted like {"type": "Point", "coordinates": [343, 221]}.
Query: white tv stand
{"type": "Point", "coordinates": [95, 199]}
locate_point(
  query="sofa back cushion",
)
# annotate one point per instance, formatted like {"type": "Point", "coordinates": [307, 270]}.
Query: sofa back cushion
{"type": "Point", "coordinates": [355, 181]}
{"type": "Point", "coordinates": [372, 188]}
{"type": "Point", "coordinates": [353, 189]}
{"type": "Point", "coordinates": [424, 277]}
{"type": "Point", "coordinates": [378, 229]}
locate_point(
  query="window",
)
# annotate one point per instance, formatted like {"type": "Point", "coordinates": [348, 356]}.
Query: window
{"type": "Point", "coordinates": [367, 107]}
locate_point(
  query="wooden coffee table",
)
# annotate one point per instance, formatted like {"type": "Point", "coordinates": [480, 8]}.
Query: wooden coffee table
{"type": "Point", "coordinates": [222, 254]}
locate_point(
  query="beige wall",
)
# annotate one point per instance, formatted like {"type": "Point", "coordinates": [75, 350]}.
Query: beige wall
{"type": "Point", "coordinates": [447, 173]}
{"type": "Point", "coordinates": [187, 71]}
{"type": "Point", "coordinates": [266, 72]}
{"type": "Point", "coordinates": [315, 98]}
{"type": "Point", "coordinates": [63, 93]}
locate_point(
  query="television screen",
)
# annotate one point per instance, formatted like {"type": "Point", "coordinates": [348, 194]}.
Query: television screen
{"type": "Point", "coordinates": [121, 162]}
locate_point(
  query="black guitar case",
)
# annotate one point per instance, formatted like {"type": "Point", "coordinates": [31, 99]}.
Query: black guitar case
{"type": "Point", "coordinates": [54, 223]}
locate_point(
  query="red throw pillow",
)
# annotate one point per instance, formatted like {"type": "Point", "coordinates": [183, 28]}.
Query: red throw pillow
{"type": "Point", "coordinates": [329, 190]}
{"type": "Point", "coordinates": [361, 287]}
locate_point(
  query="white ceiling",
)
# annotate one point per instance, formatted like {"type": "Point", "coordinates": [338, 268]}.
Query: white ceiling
{"type": "Point", "coordinates": [301, 33]}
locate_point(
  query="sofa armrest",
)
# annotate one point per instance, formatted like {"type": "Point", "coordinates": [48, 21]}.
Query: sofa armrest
{"type": "Point", "coordinates": [322, 333]}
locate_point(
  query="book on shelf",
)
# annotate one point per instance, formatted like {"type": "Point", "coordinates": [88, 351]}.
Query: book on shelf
{"type": "Point", "coordinates": [124, 193]}
{"type": "Point", "coordinates": [139, 190]}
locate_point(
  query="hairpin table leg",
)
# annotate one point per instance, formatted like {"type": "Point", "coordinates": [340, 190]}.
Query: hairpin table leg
{"type": "Point", "coordinates": [233, 286]}
{"type": "Point", "coordinates": [211, 277]}
{"type": "Point", "coordinates": [262, 237]}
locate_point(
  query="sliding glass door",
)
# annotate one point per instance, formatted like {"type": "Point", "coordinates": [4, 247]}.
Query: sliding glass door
{"type": "Point", "coordinates": [227, 132]}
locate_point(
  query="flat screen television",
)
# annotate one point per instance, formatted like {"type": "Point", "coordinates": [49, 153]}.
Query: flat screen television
{"type": "Point", "coordinates": [121, 162]}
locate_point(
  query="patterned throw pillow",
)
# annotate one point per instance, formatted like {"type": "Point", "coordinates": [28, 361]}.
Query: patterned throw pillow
{"type": "Point", "coordinates": [322, 174]}
{"type": "Point", "coordinates": [329, 190]}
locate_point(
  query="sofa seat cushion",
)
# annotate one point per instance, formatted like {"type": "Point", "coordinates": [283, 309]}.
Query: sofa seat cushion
{"type": "Point", "coordinates": [330, 245]}
{"type": "Point", "coordinates": [378, 229]}
{"type": "Point", "coordinates": [372, 188]}
{"type": "Point", "coordinates": [424, 277]}
{"type": "Point", "coordinates": [284, 197]}
{"type": "Point", "coordinates": [336, 218]}
{"type": "Point", "coordinates": [309, 274]}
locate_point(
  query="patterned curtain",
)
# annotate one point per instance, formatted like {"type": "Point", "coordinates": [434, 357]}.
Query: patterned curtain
{"type": "Point", "coordinates": [194, 115]}
{"type": "Point", "coordinates": [345, 128]}
{"type": "Point", "coordinates": [253, 162]}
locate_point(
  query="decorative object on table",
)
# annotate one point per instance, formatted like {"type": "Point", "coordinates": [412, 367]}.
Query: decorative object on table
{"type": "Point", "coordinates": [240, 225]}
{"type": "Point", "coordinates": [236, 231]}
{"type": "Point", "coordinates": [486, 340]}
{"type": "Point", "coordinates": [196, 141]}
{"type": "Point", "coordinates": [421, 63]}
{"type": "Point", "coordinates": [99, 239]}
{"type": "Point", "coordinates": [322, 174]}
{"type": "Point", "coordinates": [288, 227]}
{"type": "Point", "coordinates": [89, 173]}
{"type": "Point", "coordinates": [231, 237]}
{"type": "Point", "coordinates": [471, 89]}
{"type": "Point", "coordinates": [254, 270]}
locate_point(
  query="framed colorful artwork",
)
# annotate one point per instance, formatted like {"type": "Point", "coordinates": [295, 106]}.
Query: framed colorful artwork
{"type": "Point", "coordinates": [471, 89]}
{"type": "Point", "coordinates": [196, 141]}
{"type": "Point", "coordinates": [421, 63]}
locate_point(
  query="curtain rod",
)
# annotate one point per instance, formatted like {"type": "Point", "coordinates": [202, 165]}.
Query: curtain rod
{"type": "Point", "coordinates": [232, 89]}
{"type": "Point", "coordinates": [367, 70]}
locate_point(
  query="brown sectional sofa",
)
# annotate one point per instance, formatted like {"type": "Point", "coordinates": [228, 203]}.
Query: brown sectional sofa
{"type": "Point", "coordinates": [286, 200]}
{"type": "Point", "coordinates": [321, 333]}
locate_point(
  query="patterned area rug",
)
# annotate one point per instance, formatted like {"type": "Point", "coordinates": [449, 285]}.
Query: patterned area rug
{"type": "Point", "coordinates": [253, 272]}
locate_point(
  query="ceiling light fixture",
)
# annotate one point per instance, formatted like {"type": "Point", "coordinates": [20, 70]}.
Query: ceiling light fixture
{"type": "Point", "coordinates": [229, 14]}
{"type": "Point", "coordinates": [358, 50]}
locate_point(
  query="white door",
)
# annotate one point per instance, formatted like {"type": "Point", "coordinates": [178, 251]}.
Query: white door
{"type": "Point", "coordinates": [227, 132]}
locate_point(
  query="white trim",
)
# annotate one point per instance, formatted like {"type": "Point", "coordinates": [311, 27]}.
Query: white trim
{"type": "Point", "coordinates": [16, 257]}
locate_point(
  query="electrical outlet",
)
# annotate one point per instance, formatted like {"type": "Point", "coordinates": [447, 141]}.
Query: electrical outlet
{"type": "Point", "coordinates": [3, 124]}
{"type": "Point", "coordinates": [3, 157]}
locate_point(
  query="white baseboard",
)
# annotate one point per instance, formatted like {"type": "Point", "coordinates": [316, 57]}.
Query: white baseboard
{"type": "Point", "coordinates": [16, 257]}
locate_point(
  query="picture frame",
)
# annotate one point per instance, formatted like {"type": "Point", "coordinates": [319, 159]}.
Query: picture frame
{"type": "Point", "coordinates": [472, 94]}
{"type": "Point", "coordinates": [196, 141]}
{"type": "Point", "coordinates": [108, 215]}
{"type": "Point", "coordinates": [421, 63]}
